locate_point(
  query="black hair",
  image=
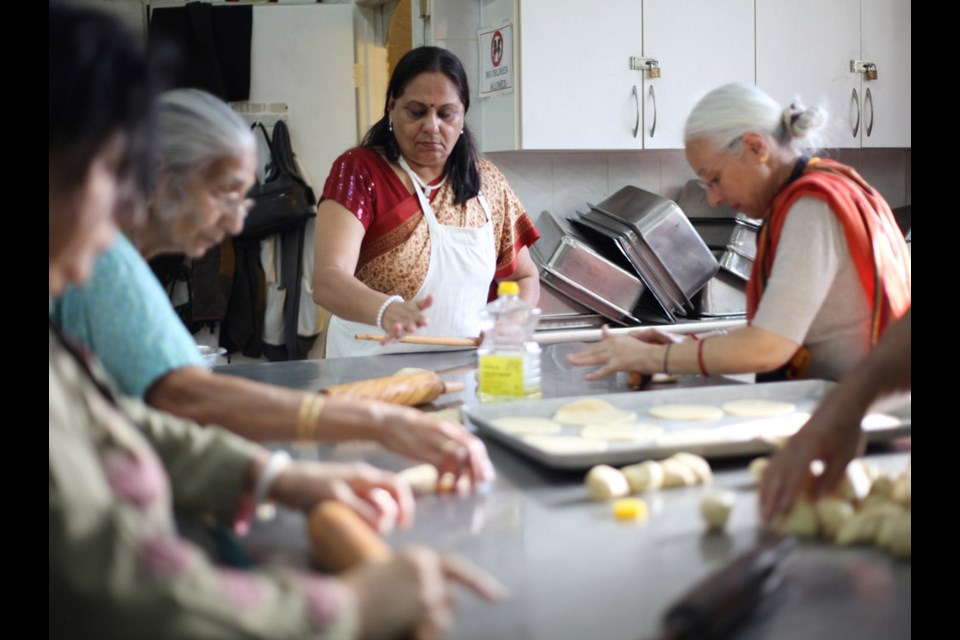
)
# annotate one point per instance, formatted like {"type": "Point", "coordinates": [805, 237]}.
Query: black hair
{"type": "Point", "coordinates": [101, 83]}
{"type": "Point", "coordinates": [462, 163]}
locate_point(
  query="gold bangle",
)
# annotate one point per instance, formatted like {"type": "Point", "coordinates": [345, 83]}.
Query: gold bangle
{"type": "Point", "coordinates": [308, 418]}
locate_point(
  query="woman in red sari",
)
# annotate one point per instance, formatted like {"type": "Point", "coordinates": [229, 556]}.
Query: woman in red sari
{"type": "Point", "coordinates": [832, 268]}
{"type": "Point", "coordinates": [413, 228]}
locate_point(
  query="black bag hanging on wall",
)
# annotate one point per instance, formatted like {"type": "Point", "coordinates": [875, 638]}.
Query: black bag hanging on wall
{"type": "Point", "coordinates": [283, 201]}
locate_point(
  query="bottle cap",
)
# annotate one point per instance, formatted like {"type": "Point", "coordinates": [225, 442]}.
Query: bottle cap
{"type": "Point", "coordinates": [508, 287]}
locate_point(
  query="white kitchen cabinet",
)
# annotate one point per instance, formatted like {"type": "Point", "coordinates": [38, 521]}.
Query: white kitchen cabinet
{"type": "Point", "coordinates": [576, 87]}
{"type": "Point", "coordinates": [699, 45]}
{"type": "Point", "coordinates": [805, 49]}
{"type": "Point", "coordinates": [573, 85]}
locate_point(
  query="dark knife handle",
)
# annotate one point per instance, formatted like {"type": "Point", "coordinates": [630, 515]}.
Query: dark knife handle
{"type": "Point", "coordinates": [722, 599]}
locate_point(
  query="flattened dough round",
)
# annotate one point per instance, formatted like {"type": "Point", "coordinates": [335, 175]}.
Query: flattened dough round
{"type": "Point", "coordinates": [527, 425]}
{"type": "Point", "coordinates": [561, 445]}
{"type": "Point", "coordinates": [621, 431]}
{"type": "Point", "coordinates": [591, 411]}
{"type": "Point", "coordinates": [687, 412]}
{"type": "Point", "coordinates": [753, 408]}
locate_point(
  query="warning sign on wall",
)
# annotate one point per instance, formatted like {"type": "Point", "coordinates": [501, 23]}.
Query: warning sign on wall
{"type": "Point", "coordinates": [496, 60]}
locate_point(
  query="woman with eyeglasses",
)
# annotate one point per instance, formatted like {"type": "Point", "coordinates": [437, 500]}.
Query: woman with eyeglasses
{"type": "Point", "coordinates": [832, 270]}
{"type": "Point", "coordinates": [205, 165]}
{"type": "Point", "coordinates": [117, 566]}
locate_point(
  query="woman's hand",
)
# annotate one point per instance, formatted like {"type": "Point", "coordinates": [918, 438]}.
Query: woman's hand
{"type": "Point", "coordinates": [381, 498]}
{"type": "Point", "coordinates": [618, 353]}
{"type": "Point", "coordinates": [404, 318]}
{"type": "Point", "coordinates": [411, 595]}
{"type": "Point", "coordinates": [443, 443]}
{"type": "Point", "coordinates": [833, 435]}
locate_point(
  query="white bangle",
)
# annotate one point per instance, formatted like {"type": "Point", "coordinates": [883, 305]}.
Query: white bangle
{"type": "Point", "coordinates": [279, 461]}
{"type": "Point", "coordinates": [383, 308]}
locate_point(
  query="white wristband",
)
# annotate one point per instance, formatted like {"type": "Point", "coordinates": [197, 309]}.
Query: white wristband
{"type": "Point", "coordinates": [279, 460]}
{"type": "Point", "coordinates": [383, 308]}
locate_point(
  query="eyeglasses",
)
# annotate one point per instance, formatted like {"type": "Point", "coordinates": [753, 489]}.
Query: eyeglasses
{"type": "Point", "coordinates": [715, 180]}
{"type": "Point", "coordinates": [233, 202]}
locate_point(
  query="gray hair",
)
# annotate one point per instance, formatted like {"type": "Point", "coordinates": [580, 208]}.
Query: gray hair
{"type": "Point", "coordinates": [722, 116]}
{"type": "Point", "coordinates": [195, 128]}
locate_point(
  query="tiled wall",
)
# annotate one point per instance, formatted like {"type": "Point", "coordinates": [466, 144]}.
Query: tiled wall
{"type": "Point", "coordinates": [563, 181]}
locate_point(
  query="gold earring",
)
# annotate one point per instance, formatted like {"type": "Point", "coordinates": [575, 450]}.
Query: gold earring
{"type": "Point", "coordinates": [763, 158]}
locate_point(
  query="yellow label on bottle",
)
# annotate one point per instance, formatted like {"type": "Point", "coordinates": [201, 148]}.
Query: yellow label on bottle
{"type": "Point", "coordinates": [501, 375]}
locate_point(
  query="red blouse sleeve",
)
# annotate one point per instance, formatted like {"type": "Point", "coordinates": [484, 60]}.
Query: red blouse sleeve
{"type": "Point", "coordinates": [351, 183]}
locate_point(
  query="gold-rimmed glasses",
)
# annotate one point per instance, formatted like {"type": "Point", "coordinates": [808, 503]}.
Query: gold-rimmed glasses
{"type": "Point", "coordinates": [233, 202]}
{"type": "Point", "coordinates": [708, 182]}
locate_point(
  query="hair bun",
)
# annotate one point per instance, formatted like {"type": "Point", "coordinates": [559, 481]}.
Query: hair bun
{"type": "Point", "coordinates": [799, 121]}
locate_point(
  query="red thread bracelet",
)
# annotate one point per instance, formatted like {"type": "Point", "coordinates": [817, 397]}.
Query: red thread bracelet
{"type": "Point", "coordinates": [703, 369]}
{"type": "Point", "coordinates": [666, 354]}
{"type": "Point", "coordinates": [691, 334]}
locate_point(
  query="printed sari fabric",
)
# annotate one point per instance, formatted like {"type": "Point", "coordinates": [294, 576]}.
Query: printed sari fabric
{"type": "Point", "coordinates": [395, 253]}
{"type": "Point", "coordinates": [876, 245]}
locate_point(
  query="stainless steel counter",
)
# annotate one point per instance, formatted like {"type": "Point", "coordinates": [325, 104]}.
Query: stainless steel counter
{"type": "Point", "coordinates": [572, 571]}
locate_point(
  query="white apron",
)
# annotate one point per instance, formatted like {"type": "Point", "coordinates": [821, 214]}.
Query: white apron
{"type": "Point", "coordinates": [463, 262]}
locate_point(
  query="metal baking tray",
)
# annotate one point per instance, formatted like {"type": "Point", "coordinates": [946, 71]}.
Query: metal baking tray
{"type": "Point", "coordinates": [743, 240]}
{"type": "Point", "coordinates": [569, 265]}
{"type": "Point", "coordinates": [719, 233]}
{"type": "Point", "coordinates": [725, 437]}
{"type": "Point", "coordinates": [657, 295]}
{"type": "Point", "coordinates": [662, 225]}
{"type": "Point", "coordinates": [724, 296]}
{"type": "Point", "coordinates": [737, 264]}
{"type": "Point", "coordinates": [557, 311]}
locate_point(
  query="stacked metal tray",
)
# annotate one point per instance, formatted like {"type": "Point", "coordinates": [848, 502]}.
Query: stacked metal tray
{"type": "Point", "coordinates": [730, 235]}
{"type": "Point", "coordinates": [568, 264]}
{"type": "Point", "coordinates": [671, 256]}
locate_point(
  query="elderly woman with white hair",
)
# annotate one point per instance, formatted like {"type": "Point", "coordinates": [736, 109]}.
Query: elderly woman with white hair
{"type": "Point", "coordinates": [832, 269]}
{"type": "Point", "coordinates": [206, 158]}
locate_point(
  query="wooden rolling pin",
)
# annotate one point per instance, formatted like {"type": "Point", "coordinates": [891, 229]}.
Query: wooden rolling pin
{"type": "Point", "coordinates": [409, 390]}
{"type": "Point", "coordinates": [339, 538]}
{"type": "Point", "coordinates": [440, 341]}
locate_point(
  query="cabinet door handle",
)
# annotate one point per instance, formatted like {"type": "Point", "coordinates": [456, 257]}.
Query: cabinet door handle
{"type": "Point", "coordinates": [636, 100]}
{"type": "Point", "coordinates": [653, 125]}
{"type": "Point", "coordinates": [868, 99]}
{"type": "Point", "coordinates": [855, 99]}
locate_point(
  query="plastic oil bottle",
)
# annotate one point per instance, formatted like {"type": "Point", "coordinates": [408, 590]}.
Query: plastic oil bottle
{"type": "Point", "coordinates": [509, 357]}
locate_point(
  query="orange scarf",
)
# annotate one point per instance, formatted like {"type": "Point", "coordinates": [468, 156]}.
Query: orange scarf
{"type": "Point", "coordinates": [874, 241]}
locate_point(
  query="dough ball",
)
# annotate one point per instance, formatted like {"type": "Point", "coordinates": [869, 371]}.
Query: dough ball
{"type": "Point", "coordinates": [715, 508]}
{"type": "Point", "coordinates": [527, 425]}
{"type": "Point", "coordinates": [757, 466]}
{"type": "Point", "coordinates": [832, 514]}
{"type": "Point", "coordinates": [758, 408]}
{"type": "Point", "coordinates": [882, 486]}
{"type": "Point", "coordinates": [697, 464]}
{"type": "Point", "coordinates": [605, 483]}
{"type": "Point", "coordinates": [424, 479]}
{"type": "Point", "coordinates": [894, 535]}
{"type": "Point", "coordinates": [677, 474]}
{"type": "Point", "coordinates": [902, 489]}
{"type": "Point", "coordinates": [801, 521]}
{"type": "Point", "coordinates": [865, 525]}
{"type": "Point", "coordinates": [647, 475]}
{"type": "Point", "coordinates": [686, 412]}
